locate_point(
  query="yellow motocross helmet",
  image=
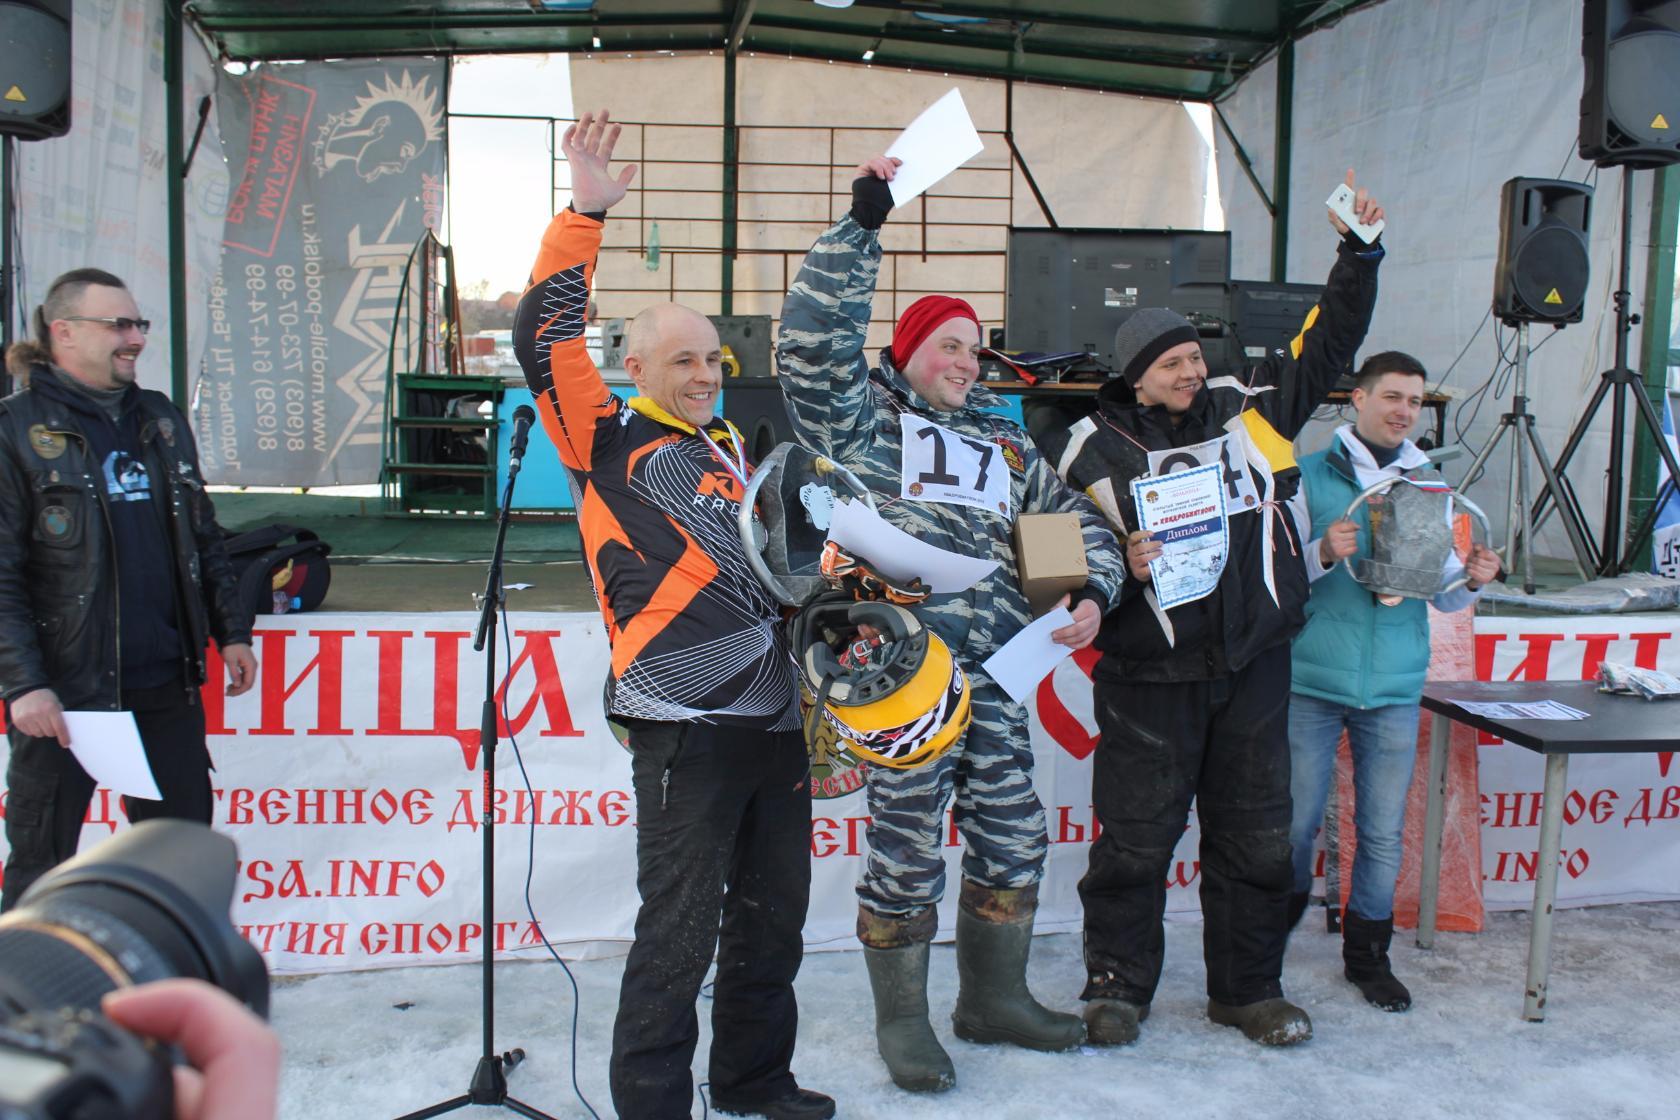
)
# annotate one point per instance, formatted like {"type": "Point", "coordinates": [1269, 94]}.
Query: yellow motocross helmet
{"type": "Point", "coordinates": [897, 698]}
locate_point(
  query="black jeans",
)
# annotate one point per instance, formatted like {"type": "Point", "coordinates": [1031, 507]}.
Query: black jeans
{"type": "Point", "coordinates": [723, 831]}
{"type": "Point", "coordinates": [48, 791]}
{"type": "Point", "coordinates": [1224, 742]}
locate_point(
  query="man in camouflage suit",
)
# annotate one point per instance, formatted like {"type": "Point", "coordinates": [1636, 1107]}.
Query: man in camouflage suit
{"type": "Point", "coordinates": [915, 429]}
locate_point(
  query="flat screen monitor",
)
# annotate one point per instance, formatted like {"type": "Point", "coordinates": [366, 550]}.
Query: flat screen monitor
{"type": "Point", "coordinates": [1070, 288]}
{"type": "Point", "coordinates": [1266, 315]}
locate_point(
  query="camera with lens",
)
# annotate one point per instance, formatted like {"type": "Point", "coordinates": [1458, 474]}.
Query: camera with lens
{"type": "Point", "coordinates": [149, 904]}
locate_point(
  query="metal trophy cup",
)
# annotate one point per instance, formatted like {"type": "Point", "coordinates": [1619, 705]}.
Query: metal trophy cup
{"type": "Point", "coordinates": [1411, 526]}
{"type": "Point", "coordinates": [785, 516]}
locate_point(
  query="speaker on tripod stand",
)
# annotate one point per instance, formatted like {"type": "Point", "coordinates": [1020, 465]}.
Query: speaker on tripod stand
{"type": "Point", "coordinates": [1540, 276]}
{"type": "Point", "coordinates": [1630, 117]}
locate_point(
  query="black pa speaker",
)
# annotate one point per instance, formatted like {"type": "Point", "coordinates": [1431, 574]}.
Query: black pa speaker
{"type": "Point", "coordinates": [1630, 100]}
{"type": "Point", "coordinates": [756, 406]}
{"type": "Point", "coordinates": [35, 75]}
{"type": "Point", "coordinates": [1541, 273]}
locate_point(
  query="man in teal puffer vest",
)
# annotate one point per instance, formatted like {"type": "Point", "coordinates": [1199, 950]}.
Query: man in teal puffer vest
{"type": "Point", "coordinates": [1359, 664]}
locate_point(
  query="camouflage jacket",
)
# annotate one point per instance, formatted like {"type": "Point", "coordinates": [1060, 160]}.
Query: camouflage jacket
{"type": "Point", "coordinates": [854, 414]}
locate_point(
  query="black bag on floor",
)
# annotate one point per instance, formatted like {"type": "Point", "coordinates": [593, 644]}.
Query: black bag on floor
{"type": "Point", "coordinates": [281, 568]}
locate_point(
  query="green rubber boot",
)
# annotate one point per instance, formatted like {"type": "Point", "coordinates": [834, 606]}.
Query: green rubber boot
{"type": "Point", "coordinates": [994, 935]}
{"type": "Point", "coordinates": [898, 973]}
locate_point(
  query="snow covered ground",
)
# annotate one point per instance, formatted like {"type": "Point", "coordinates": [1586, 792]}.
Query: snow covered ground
{"type": "Point", "coordinates": [1608, 1048]}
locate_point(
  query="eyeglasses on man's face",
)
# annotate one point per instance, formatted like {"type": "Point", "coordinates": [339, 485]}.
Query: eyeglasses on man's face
{"type": "Point", "coordinates": [121, 322]}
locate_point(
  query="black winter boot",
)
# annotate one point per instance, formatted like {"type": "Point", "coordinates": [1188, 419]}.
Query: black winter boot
{"type": "Point", "coordinates": [994, 936]}
{"type": "Point", "coordinates": [799, 1104]}
{"type": "Point", "coordinates": [1365, 961]}
{"type": "Point", "coordinates": [898, 978]}
{"type": "Point", "coordinates": [1270, 1022]}
{"type": "Point", "coordinates": [1113, 1022]}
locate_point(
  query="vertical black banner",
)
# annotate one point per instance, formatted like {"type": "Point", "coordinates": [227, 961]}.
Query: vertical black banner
{"type": "Point", "coordinates": [337, 170]}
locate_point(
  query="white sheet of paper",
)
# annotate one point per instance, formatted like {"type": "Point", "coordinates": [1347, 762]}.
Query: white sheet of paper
{"type": "Point", "coordinates": [938, 142]}
{"type": "Point", "coordinates": [1532, 709]}
{"type": "Point", "coordinates": [107, 744]}
{"type": "Point", "coordinates": [900, 556]}
{"type": "Point", "coordinates": [1028, 657]}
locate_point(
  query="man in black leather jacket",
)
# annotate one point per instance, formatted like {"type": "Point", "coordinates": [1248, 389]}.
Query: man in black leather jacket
{"type": "Point", "coordinates": [113, 577]}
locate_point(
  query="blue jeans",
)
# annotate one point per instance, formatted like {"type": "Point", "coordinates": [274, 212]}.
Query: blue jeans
{"type": "Point", "coordinates": [1384, 745]}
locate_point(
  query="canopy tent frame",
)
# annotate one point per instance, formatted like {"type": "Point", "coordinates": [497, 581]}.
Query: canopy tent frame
{"type": "Point", "coordinates": [1188, 50]}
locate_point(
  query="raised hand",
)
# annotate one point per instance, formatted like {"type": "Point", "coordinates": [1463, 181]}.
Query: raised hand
{"type": "Point", "coordinates": [1364, 207]}
{"type": "Point", "coordinates": [588, 146]}
{"type": "Point", "coordinates": [878, 167]}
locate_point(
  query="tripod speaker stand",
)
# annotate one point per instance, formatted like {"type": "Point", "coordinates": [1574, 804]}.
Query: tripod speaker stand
{"type": "Point", "coordinates": [1519, 423]}
{"type": "Point", "coordinates": [1611, 555]}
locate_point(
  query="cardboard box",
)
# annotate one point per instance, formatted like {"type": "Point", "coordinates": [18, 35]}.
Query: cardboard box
{"type": "Point", "coordinates": [1050, 555]}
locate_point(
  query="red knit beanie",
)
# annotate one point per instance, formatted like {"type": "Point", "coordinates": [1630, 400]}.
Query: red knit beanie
{"type": "Point", "coordinates": [921, 319]}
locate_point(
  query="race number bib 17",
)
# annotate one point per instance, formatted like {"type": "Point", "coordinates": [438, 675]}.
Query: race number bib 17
{"type": "Point", "coordinates": [940, 465]}
{"type": "Point", "coordinates": [1240, 494]}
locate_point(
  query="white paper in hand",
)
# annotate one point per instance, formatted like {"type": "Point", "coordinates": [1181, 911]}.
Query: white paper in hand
{"type": "Point", "coordinates": [900, 556]}
{"type": "Point", "coordinates": [1028, 657]}
{"type": "Point", "coordinates": [107, 744]}
{"type": "Point", "coordinates": [938, 142]}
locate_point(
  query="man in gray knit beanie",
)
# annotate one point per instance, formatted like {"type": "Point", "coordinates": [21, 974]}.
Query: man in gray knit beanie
{"type": "Point", "coordinates": [1192, 693]}
{"type": "Point", "coordinates": [1147, 335]}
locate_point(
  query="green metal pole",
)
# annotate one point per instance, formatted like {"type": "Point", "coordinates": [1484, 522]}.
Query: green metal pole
{"type": "Point", "coordinates": [731, 184]}
{"type": "Point", "coordinates": [173, 102]}
{"type": "Point", "coordinates": [1280, 158]}
{"type": "Point", "coordinates": [1653, 341]}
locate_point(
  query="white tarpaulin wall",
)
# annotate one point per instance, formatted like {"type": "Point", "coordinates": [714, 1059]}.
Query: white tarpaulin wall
{"type": "Point", "coordinates": [1436, 103]}
{"type": "Point", "coordinates": [1100, 160]}
{"type": "Point", "coordinates": [99, 197]}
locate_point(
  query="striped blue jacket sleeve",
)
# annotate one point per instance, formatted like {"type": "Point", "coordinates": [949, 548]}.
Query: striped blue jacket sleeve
{"type": "Point", "coordinates": [820, 348]}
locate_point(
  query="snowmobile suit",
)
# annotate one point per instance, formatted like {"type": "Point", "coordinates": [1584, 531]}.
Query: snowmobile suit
{"type": "Point", "coordinates": [1192, 701]}
{"type": "Point", "coordinates": [702, 677]}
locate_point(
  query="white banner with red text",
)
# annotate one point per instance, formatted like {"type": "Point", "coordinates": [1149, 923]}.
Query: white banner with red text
{"type": "Point", "coordinates": [1621, 818]}
{"type": "Point", "coordinates": [350, 778]}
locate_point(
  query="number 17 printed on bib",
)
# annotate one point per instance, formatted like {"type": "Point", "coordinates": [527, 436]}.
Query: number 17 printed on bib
{"type": "Point", "coordinates": [940, 465]}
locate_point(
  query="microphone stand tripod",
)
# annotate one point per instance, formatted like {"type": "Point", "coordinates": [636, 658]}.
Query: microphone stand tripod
{"type": "Point", "coordinates": [489, 1081]}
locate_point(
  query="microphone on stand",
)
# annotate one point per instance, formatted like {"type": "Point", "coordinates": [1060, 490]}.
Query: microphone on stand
{"type": "Point", "coordinates": [523, 417]}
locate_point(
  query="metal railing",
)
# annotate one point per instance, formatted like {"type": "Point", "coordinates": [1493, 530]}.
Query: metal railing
{"type": "Point", "coordinates": [678, 189]}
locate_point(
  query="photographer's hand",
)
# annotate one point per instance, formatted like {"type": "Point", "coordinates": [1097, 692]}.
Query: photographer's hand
{"type": "Point", "coordinates": [235, 1055]}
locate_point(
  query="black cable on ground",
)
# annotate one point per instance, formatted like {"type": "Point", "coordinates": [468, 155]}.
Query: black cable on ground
{"type": "Point", "coordinates": [531, 858]}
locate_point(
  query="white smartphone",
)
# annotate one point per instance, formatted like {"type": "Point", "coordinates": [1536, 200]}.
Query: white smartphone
{"type": "Point", "coordinates": [1340, 203]}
